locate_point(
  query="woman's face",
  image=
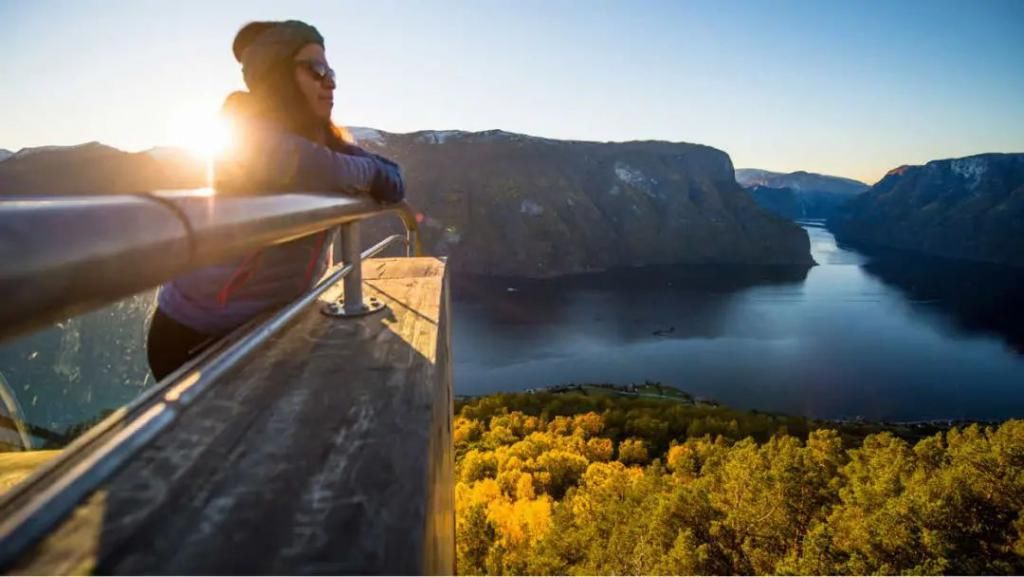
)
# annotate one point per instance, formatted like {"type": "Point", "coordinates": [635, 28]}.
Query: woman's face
{"type": "Point", "coordinates": [318, 92]}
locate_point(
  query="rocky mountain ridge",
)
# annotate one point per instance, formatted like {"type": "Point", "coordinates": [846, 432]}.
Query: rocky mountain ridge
{"type": "Point", "coordinates": [800, 194]}
{"type": "Point", "coordinates": [968, 208]}
{"type": "Point", "coordinates": [508, 204]}
{"type": "Point", "coordinates": [799, 180]}
{"type": "Point", "coordinates": [94, 168]}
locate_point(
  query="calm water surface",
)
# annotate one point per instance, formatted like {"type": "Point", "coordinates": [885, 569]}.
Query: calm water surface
{"type": "Point", "coordinates": [880, 336]}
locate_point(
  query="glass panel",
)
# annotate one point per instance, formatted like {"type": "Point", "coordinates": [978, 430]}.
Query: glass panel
{"type": "Point", "coordinates": [58, 382]}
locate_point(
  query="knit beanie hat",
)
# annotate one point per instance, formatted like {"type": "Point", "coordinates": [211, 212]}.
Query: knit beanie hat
{"type": "Point", "coordinates": [259, 46]}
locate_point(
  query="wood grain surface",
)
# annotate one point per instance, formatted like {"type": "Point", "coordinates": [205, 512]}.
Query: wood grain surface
{"type": "Point", "coordinates": [328, 452]}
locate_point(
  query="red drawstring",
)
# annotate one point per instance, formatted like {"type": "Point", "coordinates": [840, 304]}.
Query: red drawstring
{"type": "Point", "coordinates": [311, 267]}
{"type": "Point", "coordinates": [238, 278]}
{"type": "Point", "coordinates": [248, 266]}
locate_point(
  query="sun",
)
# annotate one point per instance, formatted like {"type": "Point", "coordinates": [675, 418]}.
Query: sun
{"type": "Point", "coordinates": [208, 139]}
{"type": "Point", "coordinates": [204, 135]}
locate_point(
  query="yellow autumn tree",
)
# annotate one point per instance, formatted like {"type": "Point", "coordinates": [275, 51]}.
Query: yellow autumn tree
{"type": "Point", "coordinates": [709, 490]}
{"type": "Point", "coordinates": [633, 452]}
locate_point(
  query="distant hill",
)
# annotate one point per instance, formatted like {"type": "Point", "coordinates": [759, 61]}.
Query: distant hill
{"type": "Point", "coordinates": [799, 194]}
{"type": "Point", "coordinates": [95, 168]}
{"type": "Point", "coordinates": [799, 180]}
{"type": "Point", "coordinates": [503, 203]}
{"type": "Point", "coordinates": [5, 154]}
{"type": "Point", "coordinates": [510, 204]}
{"type": "Point", "coordinates": [966, 208]}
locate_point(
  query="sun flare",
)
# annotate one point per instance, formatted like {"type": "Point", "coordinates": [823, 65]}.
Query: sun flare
{"type": "Point", "coordinates": [204, 135]}
{"type": "Point", "coordinates": [208, 139]}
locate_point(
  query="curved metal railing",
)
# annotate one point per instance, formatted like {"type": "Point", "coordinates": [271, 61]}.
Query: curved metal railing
{"type": "Point", "coordinates": [63, 256]}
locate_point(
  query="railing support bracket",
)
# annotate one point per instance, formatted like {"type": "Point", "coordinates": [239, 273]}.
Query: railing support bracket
{"type": "Point", "coordinates": [353, 305]}
{"type": "Point", "coordinates": [367, 307]}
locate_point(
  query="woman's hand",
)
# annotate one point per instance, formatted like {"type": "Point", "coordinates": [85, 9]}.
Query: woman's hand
{"type": "Point", "coordinates": [387, 186]}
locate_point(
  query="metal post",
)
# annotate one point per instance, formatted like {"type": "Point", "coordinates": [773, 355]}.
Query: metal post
{"type": "Point", "coordinates": [354, 280]}
{"type": "Point", "coordinates": [352, 304]}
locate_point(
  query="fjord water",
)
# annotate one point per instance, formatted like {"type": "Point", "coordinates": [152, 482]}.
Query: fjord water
{"type": "Point", "coordinates": [880, 336]}
{"type": "Point", "coordinates": [877, 335]}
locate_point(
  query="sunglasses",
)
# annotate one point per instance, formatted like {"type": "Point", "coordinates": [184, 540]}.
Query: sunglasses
{"type": "Point", "coordinates": [319, 69]}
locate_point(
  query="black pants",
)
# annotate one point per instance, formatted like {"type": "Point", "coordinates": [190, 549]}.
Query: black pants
{"type": "Point", "coordinates": [171, 344]}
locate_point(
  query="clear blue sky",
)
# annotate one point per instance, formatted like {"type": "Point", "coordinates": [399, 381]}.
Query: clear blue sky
{"type": "Point", "coordinates": [851, 88]}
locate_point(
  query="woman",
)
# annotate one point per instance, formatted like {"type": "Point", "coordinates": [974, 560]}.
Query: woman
{"type": "Point", "coordinates": [284, 141]}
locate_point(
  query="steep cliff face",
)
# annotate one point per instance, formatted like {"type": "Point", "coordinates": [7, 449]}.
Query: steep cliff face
{"type": "Point", "coordinates": [506, 204]}
{"type": "Point", "coordinates": [968, 208]}
{"type": "Point", "coordinates": [799, 194]}
{"type": "Point", "coordinates": [509, 204]}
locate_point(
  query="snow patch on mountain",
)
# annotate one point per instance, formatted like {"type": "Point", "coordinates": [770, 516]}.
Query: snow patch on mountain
{"type": "Point", "coordinates": [494, 135]}
{"type": "Point", "coordinates": [970, 169]}
{"type": "Point", "coordinates": [439, 136]}
{"type": "Point", "coordinates": [364, 134]}
{"type": "Point", "coordinates": [531, 208]}
{"type": "Point", "coordinates": [748, 177]}
{"type": "Point", "coordinates": [629, 175]}
{"type": "Point", "coordinates": [799, 181]}
{"type": "Point", "coordinates": [504, 136]}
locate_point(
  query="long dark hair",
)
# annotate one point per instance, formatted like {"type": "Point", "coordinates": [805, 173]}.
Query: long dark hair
{"type": "Point", "coordinates": [280, 101]}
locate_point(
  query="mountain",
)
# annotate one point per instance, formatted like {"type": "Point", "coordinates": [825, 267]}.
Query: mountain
{"type": "Point", "coordinates": [509, 204]}
{"type": "Point", "coordinates": [799, 180]}
{"type": "Point", "coordinates": [796, 205]}
{"type": "Point", "coordinates": [799, 194]}
{"type": "Point", "coordinates": [965, 208]}
{"type": "Point", "coordinates": [94, 168]}
{"type": "Point", "coordinates": [5, 154]}
{"type": "Point", "coordinates": [505, 204]}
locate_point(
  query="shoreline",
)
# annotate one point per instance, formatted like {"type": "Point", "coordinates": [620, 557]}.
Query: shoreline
{"type": "Point", "coordinates": [642, 391]}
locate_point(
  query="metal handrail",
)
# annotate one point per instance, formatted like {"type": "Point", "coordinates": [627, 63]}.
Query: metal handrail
{"type": "Point", "coordinates": [63, 256]}
{"type": "Point", "coordinates": [47, 496]}
{"type": "Point", "coordinates": [182, 231]}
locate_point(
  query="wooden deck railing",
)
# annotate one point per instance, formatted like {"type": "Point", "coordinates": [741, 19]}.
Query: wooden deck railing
{"type": "Point", "coordinates": [302, 443]}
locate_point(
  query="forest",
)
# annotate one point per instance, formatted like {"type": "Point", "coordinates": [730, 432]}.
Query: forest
{"type": "Point", "coordinates": [579, 483]}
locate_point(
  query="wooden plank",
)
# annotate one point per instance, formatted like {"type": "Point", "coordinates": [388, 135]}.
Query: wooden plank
{"type": "Point", "coordinates": [16, 465]}
{"type": "Point", "coordinates": [329, 452]}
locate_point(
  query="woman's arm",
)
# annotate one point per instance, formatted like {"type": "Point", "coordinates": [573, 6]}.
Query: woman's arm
{"type": "Point", "coordinates": [388, 185]}
{"type": "Point", "coordinates": [275, 161]}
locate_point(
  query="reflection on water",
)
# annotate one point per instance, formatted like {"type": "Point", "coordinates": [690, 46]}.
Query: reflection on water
{"type": "Point", "coordinates": [976, 299]}
{"type": "Point", "coordinates": [870, 335]}
{"type": "Point", "coordinates": [514, 321]}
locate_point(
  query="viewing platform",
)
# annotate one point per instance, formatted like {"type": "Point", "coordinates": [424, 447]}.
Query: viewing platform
{"type": "Point", "coordinates": [303, 443]}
